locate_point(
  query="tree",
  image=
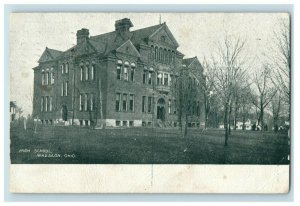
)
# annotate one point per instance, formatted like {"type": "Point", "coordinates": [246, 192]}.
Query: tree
{"type": "Point", "coordinates": [228, 67]}
{"type": "Point", "coordinates": [245, 103]}
{"type": "Point", "coordinates": [263, 86]}
{"type": "Point", "coordinates": [186, 93]}
{"type": "Point", "coordinates": [276, 106]}
{"type": "Point", "coordinates": [281, 61]}
{"type": "Point", "coordinates": [207, 85]}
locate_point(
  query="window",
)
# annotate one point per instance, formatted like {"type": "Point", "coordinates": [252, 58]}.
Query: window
{"type": "Point", "coordinates": [92, 102]}
{"type": "Point", "coordinates": [151, 53]}
{"type": "Point", "coordinates": [92, 72]}
{"type": "Point", "coordinates": [118, 123]}
{"type": "Point", "coordinates": [150, 78]}
{"type": "Point", "coordinates": [52, 77]}
{"type": "Point", "coordinates": [124, 102]}
{"type": "Point", "coordinates": [175, 106]}
{"type": "Point", "coordinates": [86, 73]}
{"type": "Point", "coordinates": [132, 74]}
{"type": "Point", "coordinates": [198, 108]}
{"type": "Point", "coordinates": [43, 78]}
{"type": "Point", "coordinates": [143, 104]}
{"type": "Point", "coordinates": [80, 102]}
{"type": "Point", "coordinates": [42, 104]}
{"type": "Point", "coordinates": [50, 104]}
{"type": "Point", "coordinates": [156, 53]}
{"type": "Point", "coordinates": [159, 78]}
{"type": "Point", "coordinates": [166, 79]}
{"type": "Point", "coordinates": [131, 103]}
{"type": "Point", "coordinates": [46, 104]}
{"type": "Point", "coordinates": [126, 73]}
{"type": "Point", "coordinates": [118, 72]}
{"type": "Point", "coordinates": [169, 106]}
{"type": "Point", "coordinates": [144, 77]}
{"type": "Point", "coordinates": [149, 104]}
{"type": "Point", "coordinates": [67, 68]}
{"type": "Point", "coordinates": [47, 78]}
{"type": "Point", "coordinates": [132, 71]}
{"type": "Point", "coordinates": [62, 89]}
{"type": "Point", "coordinates": [66, 88]}
{"type": "Point", "coordinates": [81, 73]}
{"type": "Point", "coordinates": [118, 97]}
{"type": "Point", "coordinates": [62, 68]}
{"type": "Point", "coordinates": [85, 102]}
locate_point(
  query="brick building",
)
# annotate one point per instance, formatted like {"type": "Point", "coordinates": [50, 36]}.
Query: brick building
{"type": "Point", "coordinates": [120, 78]}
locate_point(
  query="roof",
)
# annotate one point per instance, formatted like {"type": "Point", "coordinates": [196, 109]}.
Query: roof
{"type": "Point", "coordinates": [13, 104]}
{"type": "Point", "coordinates": [49, 54]}
{"type": "Point", "coordinates": [188, 61]}
{"type": "Point", "coordinates": [105, 43]}
{"type": "Point", "coordinates": [54, 53]}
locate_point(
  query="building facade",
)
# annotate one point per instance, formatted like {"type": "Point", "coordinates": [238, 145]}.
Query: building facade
{"type": "Point", "coordinates": [121, 78]}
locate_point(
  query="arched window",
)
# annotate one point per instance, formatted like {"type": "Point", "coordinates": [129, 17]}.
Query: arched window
{"type": "Point", "coordinates": [132, 71]}
{"type": "Point", "coordinates": [86, 73]}
{"type": "Point", "coordinates": [92, 72]}
{"type": "Point", "coordinates": [151, 52]}
{"type": "Point", "coordinates": [81, 73]}
{"type": "Point", "coordinates": [165, 56]}
{"type": "Point", "coordinates": [67, 68]}
{"type": "Point", "coordinates": [173, 57]}
{"type": "Point", "coordinates": [156, 53]}
{"type": "Point", "coordinates": [160, 54]}
{"type": "Point", "coordinates": [42, 104]}
{"type": "Point", "coordinates": [169, 56]}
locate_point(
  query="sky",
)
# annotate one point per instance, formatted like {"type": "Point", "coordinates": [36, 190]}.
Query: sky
{"type": "Point", "coordinates": [196, 33]}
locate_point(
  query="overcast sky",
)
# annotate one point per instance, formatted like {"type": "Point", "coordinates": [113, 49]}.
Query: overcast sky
{"type": "Point", "coordinates": [196, 34]}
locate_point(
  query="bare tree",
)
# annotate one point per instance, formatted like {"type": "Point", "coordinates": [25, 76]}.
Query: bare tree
{"type": "Point", "coordinates": [186, 93]}
{"type": "Point", "coordinates": [245, 103]}
{"type": "Point", "coordinates": [207, 85]}
{"type": "Point", "coordinates": [228, 66]}
{"type": "Point", "coordinates": [263, 85]}
{"type": "Point", "coordinates": [281, 60]}
{"type": "Point", "coordinates": [276, 106]}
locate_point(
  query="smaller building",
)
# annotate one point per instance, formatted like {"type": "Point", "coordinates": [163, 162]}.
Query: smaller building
{"type": "Point", "coordinates": [12, 110]}
{"type": "Point", "coordinates": [248, 125]}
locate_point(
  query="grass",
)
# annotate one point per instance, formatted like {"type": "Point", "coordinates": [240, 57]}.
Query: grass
{"type": "Point", "coordinates": [77, 145]}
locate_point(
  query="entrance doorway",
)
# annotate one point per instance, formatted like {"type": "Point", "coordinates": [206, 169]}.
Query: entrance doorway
{"type": "Point", "coordinates": [161, 111]}
{"type": "Point", "coordinates": [64, 112]}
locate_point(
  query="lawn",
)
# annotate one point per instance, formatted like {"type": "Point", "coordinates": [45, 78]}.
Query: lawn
{"type": "Point", "coordinates": [77, 145]}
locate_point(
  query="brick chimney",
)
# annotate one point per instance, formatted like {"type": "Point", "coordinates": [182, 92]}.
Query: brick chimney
{"type": "Point", "coordinates": [82, 36]}
{"type": "Point", "coordinates": [123, 25]}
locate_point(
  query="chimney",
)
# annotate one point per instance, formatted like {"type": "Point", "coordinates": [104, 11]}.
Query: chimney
{"type": "Point", "coordinates": [82, 36]}
{"type": "Point", "coordinates": [123, 25]}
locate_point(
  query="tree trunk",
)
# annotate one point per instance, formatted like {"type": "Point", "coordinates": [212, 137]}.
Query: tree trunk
{"type": "Point", "coordinates": [244, 120]}
{"type": "Point", "coordinates": [185, 126]}
{"type": "Point", "coordinates": [229, 119]}
{"type": "Point", "coordinates": [226, 125]}
{"type": "Point", "coordinates": [100, 124]}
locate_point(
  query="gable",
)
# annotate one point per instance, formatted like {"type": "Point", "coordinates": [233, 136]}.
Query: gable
{"type": "Point", "coordinates": [196, 64]}
{"type": "Point", "coordinates": [164, 36]}
{"type": "Point", "coordinates": [85, 48]}
{"type": "Point", "coordinates": [49, 55]}
{"type": "Point", "coordinates": [129, 49]}
{"type": "Point", "coordinates": [46, 56]}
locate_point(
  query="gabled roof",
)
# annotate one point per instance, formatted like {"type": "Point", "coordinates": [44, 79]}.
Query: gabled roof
{"type": "Point", "coordinates": [188, 61]}
{"type": "Point", "coordinates": [108, 42]}
{"type": "Point", "coordinates": [49, 54]}
{"type": "Point", "coordinates": [144, 33]}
